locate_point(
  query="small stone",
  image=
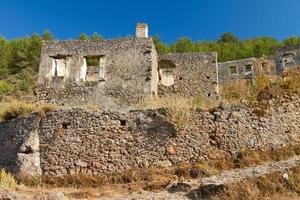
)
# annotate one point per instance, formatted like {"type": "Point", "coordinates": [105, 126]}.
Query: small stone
{"type": "Point", "coordinates": [80, 163]}
{"type": "Point", "coordinates": [164, 164]}
{"type": "Point", "coordinates": [285, 176]}
{"type": "Point", "coordinates": [96, 164]}
{"type": "Point", "coordinates": [171, 150]}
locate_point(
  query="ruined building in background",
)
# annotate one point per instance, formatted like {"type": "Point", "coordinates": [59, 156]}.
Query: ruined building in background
{"type": "Point", "coordinates": [250, 68]}
{"type": "Point", "coordinates": [120, 73]}
{"type": "Point", "coordinates": [112, 73]}
{"type": "Point", "coordinates": [287, 57]}
{"type": "Point", "coordinates": [188, 74]}
{"type": "Point", "coordinates": [246, 69]}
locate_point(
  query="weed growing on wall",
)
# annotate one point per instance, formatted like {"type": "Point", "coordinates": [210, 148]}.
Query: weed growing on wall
{"type": "Point", "coordinates": [7, 180]}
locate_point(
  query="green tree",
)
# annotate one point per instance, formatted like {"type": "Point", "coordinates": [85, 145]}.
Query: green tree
{"type": "Point", "coordinates": [47, 35]}
{"type": "Point", "coordinates": [228, 38]}
{"type": "Point", "coordinates": [96, 37]}
{"type": "Point", "coordinates": [4, 87]}
{"type": "Point", "coordinates": [4, 55]}
{"type": "Point", "coordinates": [161, 47]}
{"type": "Point", "coordinates": [291, 41]}
{"type": "Point", "coordinates": [182, 45]}
{"type": "Point", "coordinates": [206, 46]}
{"type": "Point", "coordinates": [83, 36]}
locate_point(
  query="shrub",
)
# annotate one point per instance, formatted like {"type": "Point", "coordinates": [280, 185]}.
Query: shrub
{"type": "Point", "coordinates": [261, 82]}
{"type": "Point", "coordinates": [4, 87]}
{"type": "Point", "coordinates": [7, 180]}
{"type": "Point", "coordinates": [235, 90]}
{"type": "Point", "coordinates": [178, 116]}
{"type": "Point", "coordinates": [292, 82]}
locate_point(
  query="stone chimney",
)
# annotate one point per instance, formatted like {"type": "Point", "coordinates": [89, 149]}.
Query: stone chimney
{"type": "Point", "coordinates": [141, 30]}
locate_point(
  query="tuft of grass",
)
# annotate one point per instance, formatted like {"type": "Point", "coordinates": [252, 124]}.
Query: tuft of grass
{"type": "Point", "coordinates": [13, 109]}
{"type": "Point", "coordinates": [235, 90]}
{"type": "Point", "coordinates": [264, 187]}
{"type": "Point", "coordinates": [7, 180]}
{"type": "Point", "coordinates": [84, 193]}
{"type": "Point", "coordinates": [42, 109]}
{"type": "Point", "coordinates": [90, 107]}
{"type": "Point", "coordinates": [205, 103]}
{"type": "Point", "coordinates": [177, 109]}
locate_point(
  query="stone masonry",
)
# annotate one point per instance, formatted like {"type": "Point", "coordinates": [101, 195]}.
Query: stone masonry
{"type": "Point", "coordinates": [124, 75]}
{"type": "Point", "coordinates": [192, 74]}
{"type": "Point", "coordinates": [287, 57]}
{"type": "Point", "coordinates": [69, 142]}
{"type": "Point", "coordinates": [118, 74]}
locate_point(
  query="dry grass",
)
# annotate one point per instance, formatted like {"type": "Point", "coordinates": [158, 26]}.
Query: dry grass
{"type": "Point", "coordinates": [264, 187]}
{"type": "Point", "coordinates": [263, 87]}
{"type": "Point", "coordinates": [234, 91]}
{"type": "Point", "coordinates": [157, 178]}
{"type": "Point", "coordinates": [84, 193]}
{"type": "Point", "coordinates": [205, 103]}
{"type": "Point", "coordinates": [7, 180]}
{"type": "Point", "coordinates": [90, 107]}
{"type": "Point", "coordinates": [147, 178]}
{"type": "Point", "coordinates": [42, 109]}
{"type": "Point", "coordinates": [169, 101]}
{"type": "Point", "coordinates": [13, 109]}
{"type": "Point", "coordinates": [177, 109]}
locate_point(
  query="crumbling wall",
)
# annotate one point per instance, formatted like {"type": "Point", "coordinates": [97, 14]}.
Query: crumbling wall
{"type": "Point", "coordinates": [19, 146]}
{"type": "Point", "coordinates": [225, 72]}
{"type": "Point", "coordinates": [109, 142]}
{"type": "Point", "coordinates": [82, 142]}
{"type": "Point", "coordinates": [287, 57]}
{"type": "Point", "coordinates": [128, 72]}
{"type": "Point", "coordinates": [246, 69]}
{"type": "Point", "coordinates": [195, 74]}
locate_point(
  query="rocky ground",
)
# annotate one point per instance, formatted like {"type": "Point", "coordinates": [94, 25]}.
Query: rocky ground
{"type": "Point", "coordinates": [204, 188]}
{"type": "Point", "coordinates": [180, 190]}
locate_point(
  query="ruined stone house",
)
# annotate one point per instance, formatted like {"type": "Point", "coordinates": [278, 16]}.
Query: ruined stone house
{"type": "Point", "coordinates": [118, 74]}
{"type": "Point", "coordinates": [287, 57]}
{"type": "Point", "coordinates": [121, 73]}
{"type": "Point", "coordinates": [246, 69]}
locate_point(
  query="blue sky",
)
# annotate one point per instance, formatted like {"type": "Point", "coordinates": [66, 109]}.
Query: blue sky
{"type": "Point", "coordinates": [171, 19]}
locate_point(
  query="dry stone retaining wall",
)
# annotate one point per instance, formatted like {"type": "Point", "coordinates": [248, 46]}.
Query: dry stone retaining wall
{"type": "Point", "coordinates": [78, 141]}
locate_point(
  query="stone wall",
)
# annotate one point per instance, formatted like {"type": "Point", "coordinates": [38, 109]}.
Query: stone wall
{"type": "Point", "coordinates": [225, 74]}
{"type": "Point", "coordinates": [194, 74]}
{"type": "Point", "coordinates": [287, 57]}
{"type": "Point", "coordinates": [19, 145]}
{"type": "Point", "coordinates": [246, 69]}
{"type": "Point", "coordinates": [126, 78]}
{"type": "Point", "coordinates": [79, 141]}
